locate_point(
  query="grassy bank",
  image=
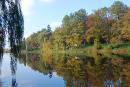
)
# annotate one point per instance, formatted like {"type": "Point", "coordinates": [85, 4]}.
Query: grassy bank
{"type": "Point", "coordinates": [33, 52]}
{"type": "Point", "coordinates": [120, 49]}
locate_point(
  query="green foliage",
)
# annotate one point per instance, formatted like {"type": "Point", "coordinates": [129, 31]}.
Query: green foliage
{"type": "Point", "coordinates": [74, 27]}
{"type": "Point", "coordinates": [104, 26]}
{"type": "Point", "coordinates": [118, 9]}
{"type": "Point", "coordinates": [11, 22]}
{"type": "Point", "coordinates": [36, 40]}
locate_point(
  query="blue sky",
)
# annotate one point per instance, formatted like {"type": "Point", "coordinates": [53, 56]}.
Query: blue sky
{"type": "Point", "coordinates": [39, 13]}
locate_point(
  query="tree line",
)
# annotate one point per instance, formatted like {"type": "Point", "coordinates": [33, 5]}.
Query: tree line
{"type": "Point", "coordinates": [108, 25]}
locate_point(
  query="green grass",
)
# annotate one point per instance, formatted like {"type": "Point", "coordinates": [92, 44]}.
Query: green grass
{"type": "Point", "coordinates": [120, 49]}
{"type": "Point", "coordinates": [120, 45]}
{"type": "Point", "coordinates": [106, 49]}
{"type": "Point", "coordinates": [34, 51]}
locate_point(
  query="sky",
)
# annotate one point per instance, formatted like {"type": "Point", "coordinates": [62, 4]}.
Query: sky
{"type": "Point", "coordinates": [40, 13]}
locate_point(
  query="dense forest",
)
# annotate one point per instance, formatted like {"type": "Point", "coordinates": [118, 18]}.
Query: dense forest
{"type": "Point", "coordinates": [108, 25]}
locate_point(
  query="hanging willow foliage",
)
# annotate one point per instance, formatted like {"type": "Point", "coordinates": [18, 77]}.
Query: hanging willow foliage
{"type": "Point", "coordinates": [11, 23]}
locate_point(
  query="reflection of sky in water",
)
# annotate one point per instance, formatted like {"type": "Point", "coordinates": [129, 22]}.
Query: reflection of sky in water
{"type": "Point", "coordinates": [110, 83]}
{"type": "Point", "coordinates": [26, 77]}
{"type": "Point", "coordinates": [5, 69]}
{"type": "Point", "coordinates": [76, 72]}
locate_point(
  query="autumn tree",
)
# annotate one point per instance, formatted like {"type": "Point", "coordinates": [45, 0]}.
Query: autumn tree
{"type": "Point", "coordinates": [108, 25]}
{"type": "Point", "coordinates": [97, 29]}
{"type": "Point", "coordinates": [125, 32]}
{"type": "Point", "coordinates": [117, 10]}
{"type": "Point", "coordinates": [74, 26]}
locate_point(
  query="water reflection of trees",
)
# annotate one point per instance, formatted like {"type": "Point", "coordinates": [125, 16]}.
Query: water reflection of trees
{"type": "Point", "coordinates": [1, 58]}
{"type": "Point", "coordinates": [83, 71]}
{"type": "Point", "coordinates": [13, 66]}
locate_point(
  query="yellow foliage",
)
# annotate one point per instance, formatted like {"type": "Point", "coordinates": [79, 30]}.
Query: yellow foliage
{"type": "Point", "coordinates": [47, 52]}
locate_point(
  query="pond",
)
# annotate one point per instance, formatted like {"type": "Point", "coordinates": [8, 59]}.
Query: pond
{"type": "Point", "coordinates": [64, 70]}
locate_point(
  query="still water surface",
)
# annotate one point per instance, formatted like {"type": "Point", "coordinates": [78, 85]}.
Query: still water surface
{"type": "Point", "coordinates": [16, 74]}
{"type": "Point", "coordinates": [64, 71]}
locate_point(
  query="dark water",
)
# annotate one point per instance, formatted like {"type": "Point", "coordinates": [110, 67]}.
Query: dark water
{"type": "Point", "coordinates": [64, 71]}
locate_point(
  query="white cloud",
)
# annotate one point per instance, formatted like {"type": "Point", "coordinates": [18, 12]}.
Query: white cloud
{"type": "Point", "coordinates": [27, 6]}
{"type": "Point", "coordinates": [54, 25]}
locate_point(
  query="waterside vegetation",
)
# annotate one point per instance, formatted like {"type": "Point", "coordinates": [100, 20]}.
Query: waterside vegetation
{"type": "Point", "coordinates": [105, 30]}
